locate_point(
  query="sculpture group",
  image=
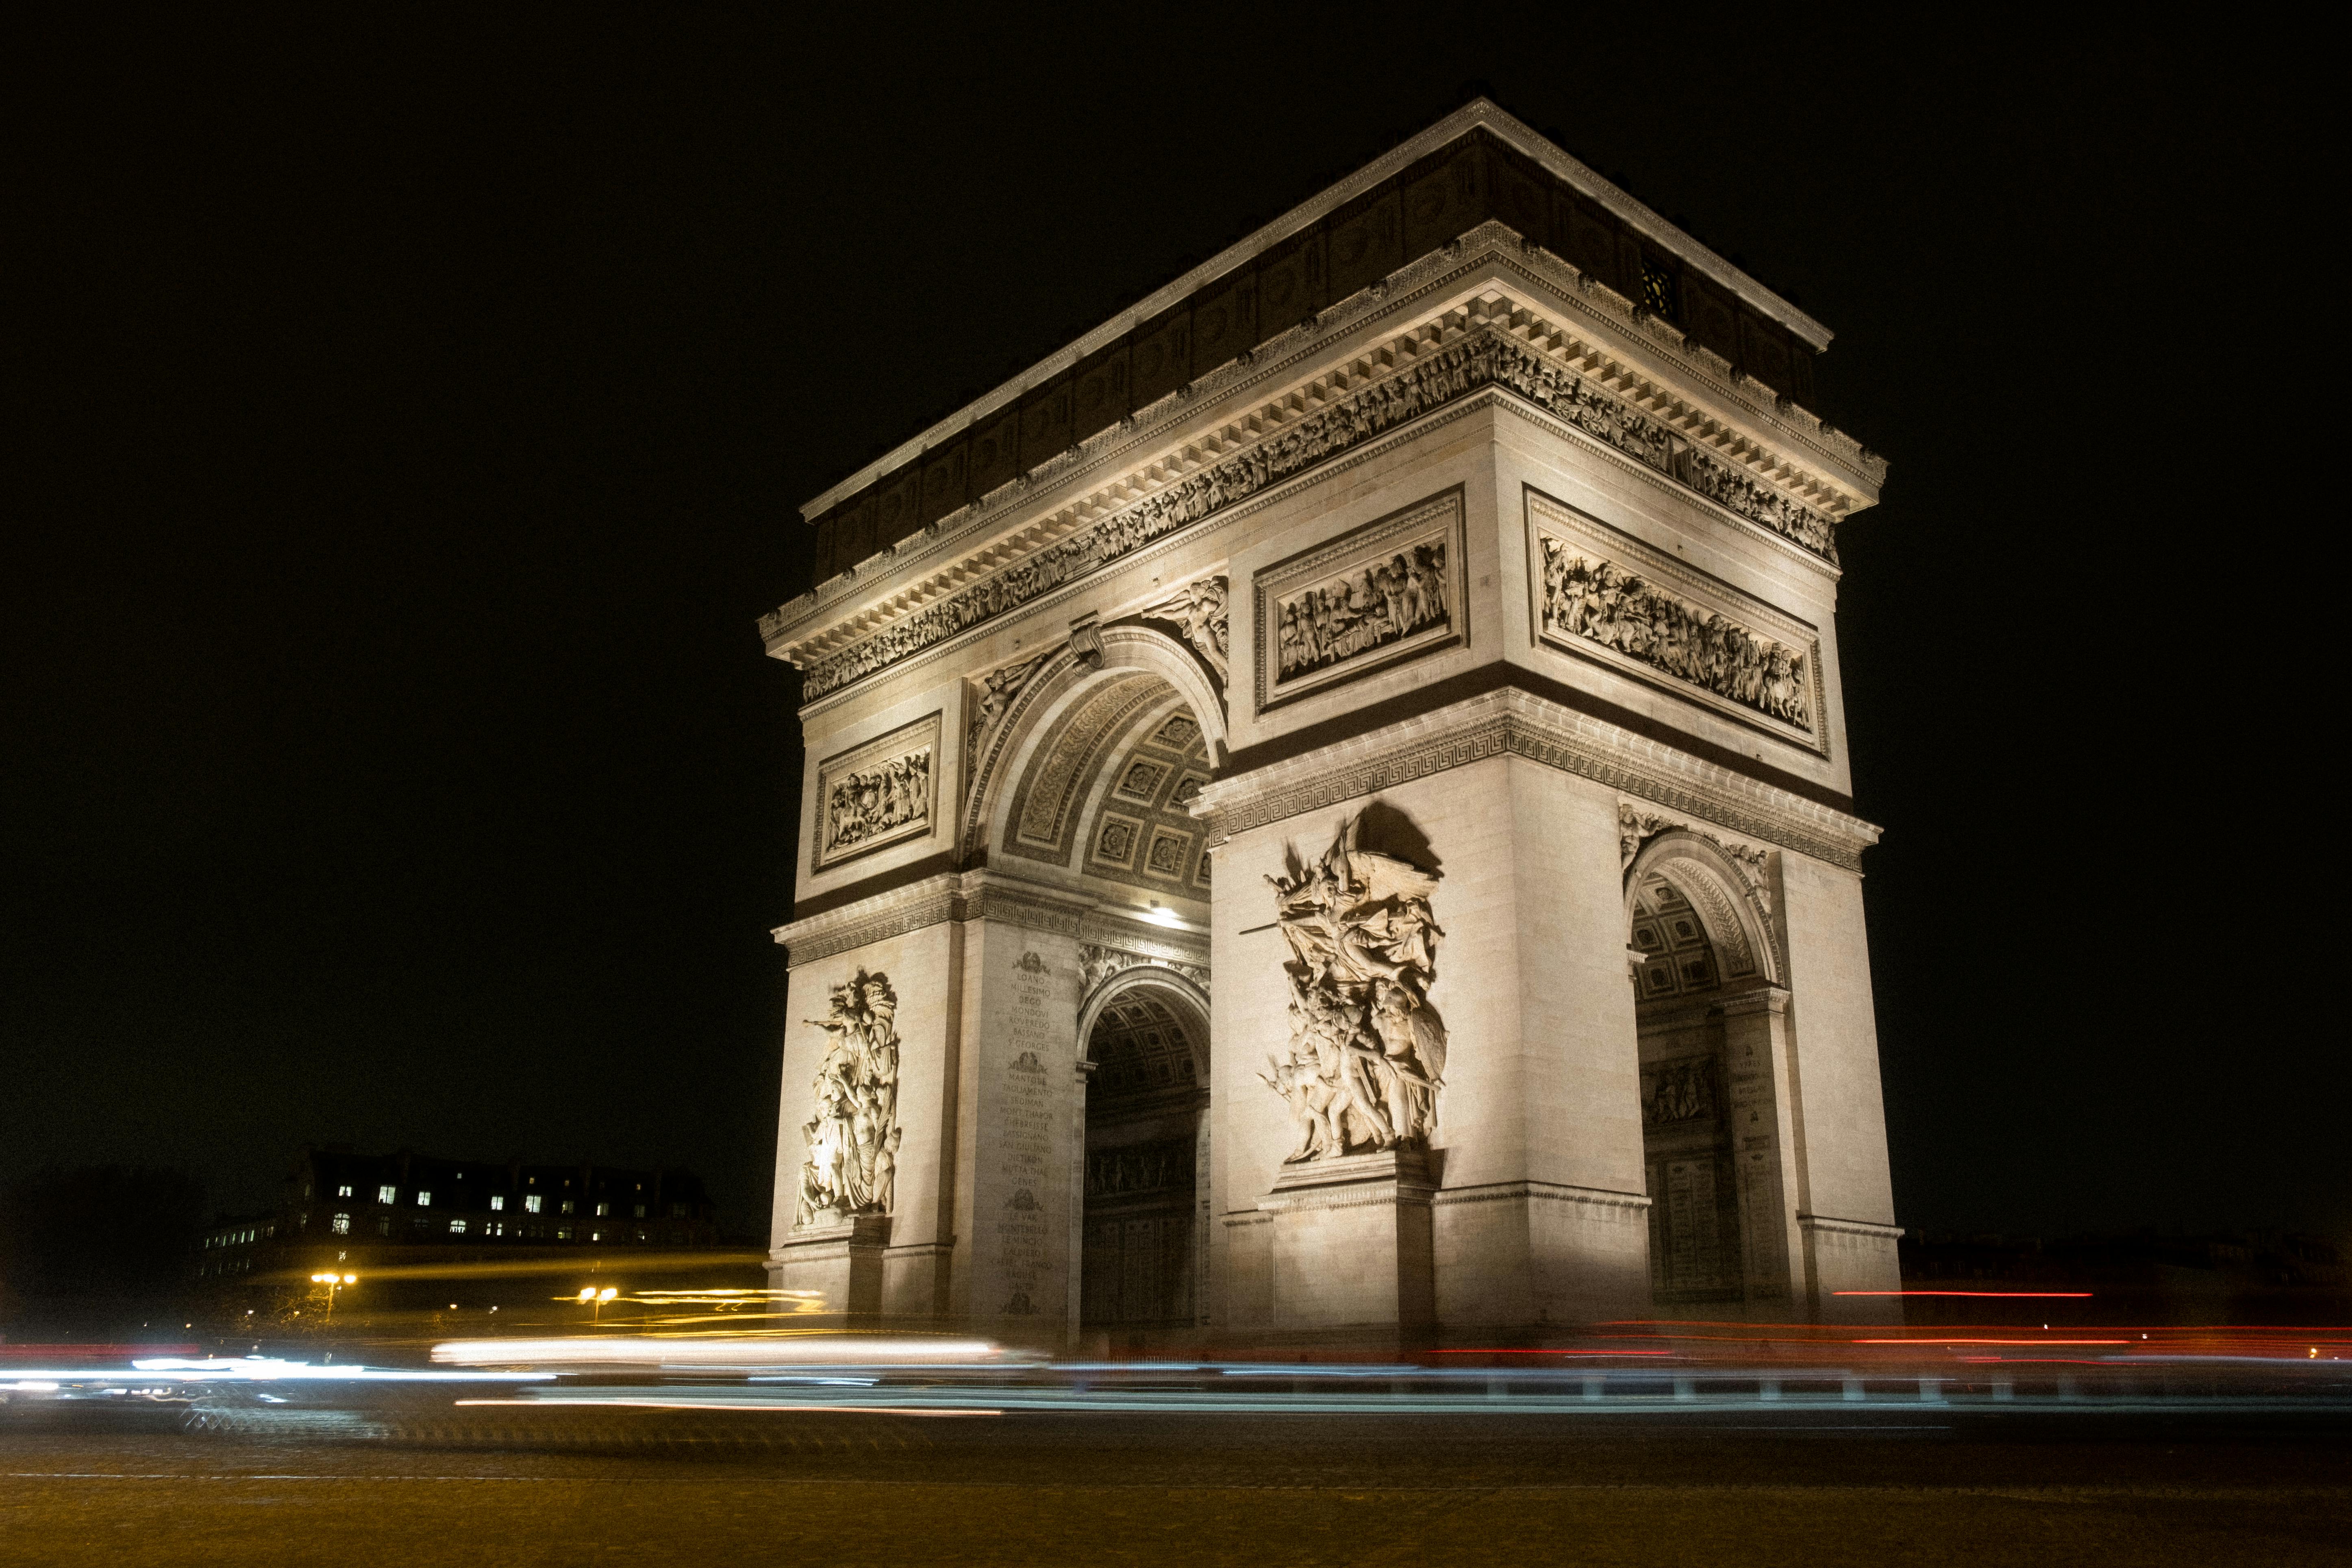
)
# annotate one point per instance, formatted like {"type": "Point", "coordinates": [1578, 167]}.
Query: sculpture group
{"type": "Point", "coordinates": [1363, 610]}
{"type": "Point", "coordinates": [1614, 607]}
{"type": "Point", "coordinates": [1367, 1050]}
{"type": "Point", "coordinates": [874, 801]}
{"type": "Point", "coordinates": [852, 1138]}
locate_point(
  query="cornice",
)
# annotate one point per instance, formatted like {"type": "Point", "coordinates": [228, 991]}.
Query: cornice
{"type": "Point", "coordinates": [983, 895]}
{"type": "Point", "coordinates": [1131, 446]}
{"type": "Point", "coordinates": [1510, 722]}
{"type": "Point", "coordinates": [1553, 1192]}
{"type": "Point", "coordinates": [1869, 1227]}
{"type": "Point", "coordinates": [1479, 113]}
{"type": "Point", "coordinates": [1707, 444]}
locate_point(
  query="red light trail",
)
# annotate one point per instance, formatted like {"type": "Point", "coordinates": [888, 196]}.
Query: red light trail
{"type": "Point", "coordinates": [2004, 1295]}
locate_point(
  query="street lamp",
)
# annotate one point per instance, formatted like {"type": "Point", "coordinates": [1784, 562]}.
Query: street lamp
{"type": "Point", "coordinates": [333, 1282]}
{"type": "Point", "coordinates": [593, 1300]}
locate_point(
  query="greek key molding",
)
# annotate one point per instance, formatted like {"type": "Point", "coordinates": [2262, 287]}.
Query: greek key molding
{"type": "Point", "coordinates": [1515, 723]}
{"type": "Point", "coordinates": [1482, 358]}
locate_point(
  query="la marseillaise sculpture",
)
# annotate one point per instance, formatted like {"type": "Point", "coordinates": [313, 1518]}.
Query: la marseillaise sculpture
{"type": "Point", "coordinates": [1326, 815]}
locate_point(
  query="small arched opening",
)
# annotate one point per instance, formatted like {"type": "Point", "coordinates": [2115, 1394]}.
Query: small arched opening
{"type": "Point", "coordinates": [1700, 945]}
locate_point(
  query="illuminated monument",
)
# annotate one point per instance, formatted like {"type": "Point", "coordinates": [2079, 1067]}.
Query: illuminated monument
{"type": "Point", "coordinates": [1327, 808]}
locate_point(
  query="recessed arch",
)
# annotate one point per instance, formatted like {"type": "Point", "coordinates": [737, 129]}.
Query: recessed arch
{"type": "Point", "coordinates": [1183, 997]}
{"type": "Point", "coordinates": [1001, 752]}
{"type": "Point", "coordinates": [1735, 916]}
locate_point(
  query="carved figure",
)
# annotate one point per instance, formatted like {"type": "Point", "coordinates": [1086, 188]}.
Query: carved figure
{"type": "Point", "coordinates": [998, 688]}
{"type": "Point", "coordinates": [1367, 1050]}
{"type": "Point", "coordinates": [873, 801]}
{"type": "Point", "coordinates": [1604, 604]}
{"type": "Point", "coordinates": [1359, 611]}
{"type": "Point", "coordinates": [1198, 607]}
{"type": "Point", "coordinates": [854, 1135]}
{"type": "Point", "coordinates": [1680, 1092]}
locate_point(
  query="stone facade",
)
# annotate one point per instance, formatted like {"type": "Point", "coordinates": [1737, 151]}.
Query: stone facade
{"type": "Point", "coordinates": [1357, 847]}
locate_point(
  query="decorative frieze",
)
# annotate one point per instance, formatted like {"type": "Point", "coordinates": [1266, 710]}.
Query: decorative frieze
{"type": "Point", "coordinates": [1098, 964]}
{"type": "Point", "coordinates": [1620, 611]}
{"type": "Point", "coordinates": [1388, 590]}
{"type": "Point", "coordinates": [1606, 596]}
{"type": "Point", "coordinates": [1480, 360]}
{"type": "Point", "coordinates": [877, 793]}
{"type": "Point", "coordinates": [1367, 1050]}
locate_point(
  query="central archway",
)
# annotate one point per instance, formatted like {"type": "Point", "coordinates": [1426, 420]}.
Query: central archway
{"type": "Point", "coordinates": [1142, 1240]}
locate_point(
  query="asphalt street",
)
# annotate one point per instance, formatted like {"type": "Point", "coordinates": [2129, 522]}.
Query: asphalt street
{"type": "Point", "coordinates": [1822, 1486]}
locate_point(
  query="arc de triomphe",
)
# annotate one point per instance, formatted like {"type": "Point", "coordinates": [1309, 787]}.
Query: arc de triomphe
{"type": "Point", "coordinates": [1327, 813]}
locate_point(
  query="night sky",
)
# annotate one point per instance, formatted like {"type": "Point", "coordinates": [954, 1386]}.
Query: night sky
{"type": "Point", "coordinates": [410, 422]}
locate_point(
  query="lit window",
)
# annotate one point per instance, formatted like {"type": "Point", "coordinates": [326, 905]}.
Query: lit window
{"type": "Point", "coordinates": [641, 1211]}
{"type": "Point", "coordinates": [342, 1225]}
{"type": "Point", "coordinates": [498, 1202]}
{"type": "Point", "coordinates": [641, 1233]}
{"type": "Point", "coordinates": [595, 1236]}
{"type": "Point", "coordinates": [530, 1203]}
{"type": "Point", "coordinates": [345, 1190]}
{"type": "Point", "coordinates": [424, 1200]}
{"type": "Point", "coordinates": [603, 1209]}
{"type": "Point", "coordinates": [1657, 287]}
{"type": "Point", "coordinates": [563, 1233]}
{"type": "Point", "coordinates": [567, 1205]}
{"type": "Point", "coordinates": [383, 1225]}
{"type": "Point", "coordinates": [457, 1227]}
{"type": "Point", "coordinates": [385, 1194]}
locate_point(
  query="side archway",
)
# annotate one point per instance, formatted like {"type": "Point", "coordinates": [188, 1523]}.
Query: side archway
{"type": "Point", "coordinates": [1178, 992]}
{"type": "Point", "coordinates": [1733, 911]}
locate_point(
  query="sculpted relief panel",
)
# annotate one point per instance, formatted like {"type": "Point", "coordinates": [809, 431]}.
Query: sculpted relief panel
{"type": "Point", "coordinates": [1198, 611]}
{"type": "Point", "coordinates": [1367, 1050]}
{"type": "Point", "coordinates": [1478, 360]}
{"type": "Point", "coordinates": [1606, 596]}
{"type": "Point", "coordinates": [1388, 590]}
{"type": "Point", "coordinates": [878, 794]}
{"type": "Point", "coordinates": [852, 1138]}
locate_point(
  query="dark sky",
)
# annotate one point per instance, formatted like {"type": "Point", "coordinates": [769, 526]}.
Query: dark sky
{"type": "Point", "coordinates": [409, 422]}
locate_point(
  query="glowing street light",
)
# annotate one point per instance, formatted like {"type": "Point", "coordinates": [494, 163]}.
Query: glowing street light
{"type": "Point", "coordinates": [333, 1282]}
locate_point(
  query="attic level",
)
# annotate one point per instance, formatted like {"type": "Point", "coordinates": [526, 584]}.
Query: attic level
{"type": "Point", "coordinates": [1476, 165]}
